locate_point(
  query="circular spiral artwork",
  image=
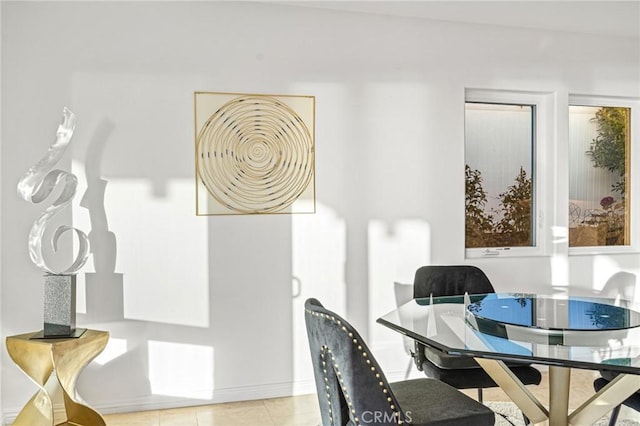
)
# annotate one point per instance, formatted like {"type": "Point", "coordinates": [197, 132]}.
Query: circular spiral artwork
{"type": "Point", "coordinates": [255, 155]}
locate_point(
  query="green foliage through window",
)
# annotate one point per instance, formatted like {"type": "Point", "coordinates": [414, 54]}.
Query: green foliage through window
{"type": "Point", "coordinates": [597, 215]}
{"type": "Point", "coordinates": [510, 226]}
{"type": "Point", "coordinates": [478, 223]}
{"type": "Point", "coordinates": [607, 150]}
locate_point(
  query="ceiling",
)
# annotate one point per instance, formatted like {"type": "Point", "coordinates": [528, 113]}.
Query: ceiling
{"type": "Point", "coordinates": [611, 18]}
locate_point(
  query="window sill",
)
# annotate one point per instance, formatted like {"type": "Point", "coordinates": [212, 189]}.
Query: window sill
{"type": "Point", "coordinates": [598, 250]}
{"type": "Point", "coordinates": [503, 252]}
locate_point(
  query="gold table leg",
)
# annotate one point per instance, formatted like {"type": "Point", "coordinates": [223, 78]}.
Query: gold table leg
{"type": "Point", "coordinates": [588, 413]}
{"type": "Point", "coordinates": [66, 357]}
{"type": "Point", "coordinates": [513, 387]}
{"type": "Point", "coordinates": [619, 389]}
{"type": "Point", "coordinates": [559, 381]}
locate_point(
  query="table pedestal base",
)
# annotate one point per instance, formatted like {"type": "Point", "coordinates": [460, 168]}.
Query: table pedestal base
{"type": "Point", "coordinates": [559, 385]}
{"type": "Point", "coordinates": [558, 414]}
{"type": "Point", "coordinates": [612, 395]}
{"type": "Point", "coordinates": [60, 360]}
{"type": "Point", "coordinates": [513, 387]}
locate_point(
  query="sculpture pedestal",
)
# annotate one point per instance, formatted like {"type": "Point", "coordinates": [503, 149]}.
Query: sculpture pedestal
{"type": "Point", "coordinates": [59, 306]}
{"type": "Point", "coordinates": [66, 357]}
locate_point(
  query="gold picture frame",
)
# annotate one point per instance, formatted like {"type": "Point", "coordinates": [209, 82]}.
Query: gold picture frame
{"type": "Point", "coordinates": [254, 154]}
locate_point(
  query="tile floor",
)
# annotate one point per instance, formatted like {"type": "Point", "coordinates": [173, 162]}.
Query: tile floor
{"type": "Point", "coordinates": [303, 410]}
{"type": "Point", "coordinates": [299, 411]}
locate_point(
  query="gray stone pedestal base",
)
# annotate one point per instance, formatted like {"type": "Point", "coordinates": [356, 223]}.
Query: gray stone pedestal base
{"type": "Point", "coordinates": [59, 305]}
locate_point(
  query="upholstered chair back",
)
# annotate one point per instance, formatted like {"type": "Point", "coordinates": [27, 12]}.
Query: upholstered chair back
{"type": "Point", "coordinates": [350, 384]}
{"type": "Point", "coordinates": [450, 280]}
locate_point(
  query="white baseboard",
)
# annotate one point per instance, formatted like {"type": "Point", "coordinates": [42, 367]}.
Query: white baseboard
{"type": "Point", "coordinates": [161, 402]}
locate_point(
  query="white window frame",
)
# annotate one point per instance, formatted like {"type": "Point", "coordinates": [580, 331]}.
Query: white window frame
{"type": "Point", "coordinates": [542, 172]}
{"type": "Point", "coordinates": [633, 193]}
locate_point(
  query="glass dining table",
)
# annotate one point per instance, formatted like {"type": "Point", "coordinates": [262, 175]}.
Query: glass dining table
{"type": "Point", "coordinates": [561, 332]}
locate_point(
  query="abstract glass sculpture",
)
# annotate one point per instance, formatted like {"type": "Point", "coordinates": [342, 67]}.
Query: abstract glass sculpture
{"type": "Point", "coordinates": [38, 183]}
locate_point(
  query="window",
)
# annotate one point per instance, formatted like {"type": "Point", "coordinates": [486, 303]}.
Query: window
{"type": "Point", "coordinates": [506, 174]}
{"type": "Point", "coordinates": [498, 174]}
{"type": "Point", "coordinates": [502, 169]}
{"type": "Point", "coordinates": [531, 156]}
{"type": "Point", "coordinates": [599, 172]}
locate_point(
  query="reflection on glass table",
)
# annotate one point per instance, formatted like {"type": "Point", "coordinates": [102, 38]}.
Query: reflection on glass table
{"type": "Point", "coordinates": [550, 320]}
{"type": "Point", "coordinates": [563, 333]}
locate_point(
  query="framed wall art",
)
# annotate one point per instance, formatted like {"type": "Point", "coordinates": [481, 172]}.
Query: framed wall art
{"type": "Point", "coordinates": [255, 154]}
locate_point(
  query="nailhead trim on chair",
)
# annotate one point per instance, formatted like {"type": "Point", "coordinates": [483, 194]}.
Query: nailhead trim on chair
{"type": "Point", "coordinates": [326, 350]}
{"type": "Point", "coordinates": [326, 380]}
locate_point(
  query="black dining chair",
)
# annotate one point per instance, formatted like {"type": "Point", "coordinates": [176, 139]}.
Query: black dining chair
{"type": "Point", "coordinates": [352, 388]}
{"type": "Point", "coordinates": [461, 372]}
{"type": "Point", "coordinates": [633, 401]}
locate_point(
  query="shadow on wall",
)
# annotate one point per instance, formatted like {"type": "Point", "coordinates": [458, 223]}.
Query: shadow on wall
{"type": "Point", "coordinates": [137, 348]}
{"type": "Point", "coordinates": [104, 287]}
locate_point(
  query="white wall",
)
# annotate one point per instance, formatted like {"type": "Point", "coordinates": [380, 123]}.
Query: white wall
{"type": "Point", "coordinates": [1, 245]}
{"type": "Point", "coordinates": [200, 309]}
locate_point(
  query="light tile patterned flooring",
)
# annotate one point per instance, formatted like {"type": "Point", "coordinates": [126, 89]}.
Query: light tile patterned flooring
{"type": "Point", "coordinates": [299, 410]}
{"type": "Point", "coordinates": [303, 410]}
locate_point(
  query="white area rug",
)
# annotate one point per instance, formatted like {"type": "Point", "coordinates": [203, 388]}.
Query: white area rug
{"type": "Point", "coordinates": [507, 414]}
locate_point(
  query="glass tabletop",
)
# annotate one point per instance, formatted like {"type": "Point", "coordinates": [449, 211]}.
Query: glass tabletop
{"type": "Point", "coordinates": [583, 332]}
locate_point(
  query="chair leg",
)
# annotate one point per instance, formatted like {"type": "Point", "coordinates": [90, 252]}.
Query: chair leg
{"type": "Point", "coordinates": [480, 395]}
{"type": "Point", "coordinates": [406, 375]}
{"type": "Point", "coordinates": [418, 355]}
{"type": "Point", "coordinates": [614, 415]}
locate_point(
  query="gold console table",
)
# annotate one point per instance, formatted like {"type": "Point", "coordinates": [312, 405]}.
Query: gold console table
{"type": "Point", "coordinates": [66, 357]}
